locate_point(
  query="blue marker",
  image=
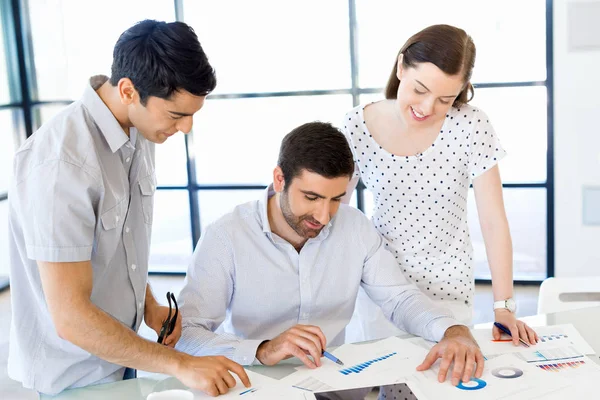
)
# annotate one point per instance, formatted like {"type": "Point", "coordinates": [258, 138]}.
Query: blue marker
{"type": "Point", "coordinates": [332, 357]}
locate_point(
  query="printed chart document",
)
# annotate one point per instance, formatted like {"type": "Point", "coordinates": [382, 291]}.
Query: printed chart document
{"type": "Point", "coordinates": [384, 362]}
{"type": "Point", "coordinates": [582, 374]}
{"type": "Point", "coordinates": [555, 367]}
{"type": "Point", "coordinates": [263, 388]}
{"type": "Point", "coordinates": [505, 377]}
{"type": "Point", "coordinates": [551, 337]}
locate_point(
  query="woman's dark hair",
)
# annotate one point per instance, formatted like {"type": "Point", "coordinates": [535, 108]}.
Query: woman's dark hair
{"type": "Point", "coordinates": [161, 58]}
{"type": "Point", "coordinates": [318, 147]}
{"type": "Point", "coordinates": [447, 47]}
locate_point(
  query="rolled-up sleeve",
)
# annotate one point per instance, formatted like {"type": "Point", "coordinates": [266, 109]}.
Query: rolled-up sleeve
{"type": "Point", "coordinates": [58, 201]}
{"type": "Point", "coordinates": [401, 302]}
{"type": "Point", "coordinates": [205, 298]}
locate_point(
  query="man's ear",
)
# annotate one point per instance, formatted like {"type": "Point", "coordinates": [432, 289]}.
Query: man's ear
{"type": "Point", "coordinates": [127, 92]}
{"type": "Point", "coordinates": [278, 180]}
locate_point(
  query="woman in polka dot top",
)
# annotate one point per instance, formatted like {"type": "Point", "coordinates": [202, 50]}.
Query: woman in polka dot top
{"type": "Point", "coordinates": [417, 152]}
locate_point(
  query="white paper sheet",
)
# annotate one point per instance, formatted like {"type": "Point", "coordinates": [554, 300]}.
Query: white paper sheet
{"type": "Point", "coordinates": [505, 377]}
{"type": "Point", "coordinates": [583, 382]}
{"type": "Point", "coordinates": [552, 337]}
{"type": "Point", "coordinates": [262, 387]}
{"type": "Point", "coordinates": [373, 364]}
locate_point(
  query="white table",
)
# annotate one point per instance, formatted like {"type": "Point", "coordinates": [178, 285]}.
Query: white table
{"type": "Point", "coordinates": [587, 321]}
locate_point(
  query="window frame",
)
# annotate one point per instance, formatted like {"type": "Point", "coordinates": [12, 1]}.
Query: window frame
{"type": "Point", "coordinates": [22, 82]}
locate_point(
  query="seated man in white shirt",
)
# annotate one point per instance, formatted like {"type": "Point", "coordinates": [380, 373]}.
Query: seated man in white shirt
{"type": "Point", "coordinates": [280, 275]}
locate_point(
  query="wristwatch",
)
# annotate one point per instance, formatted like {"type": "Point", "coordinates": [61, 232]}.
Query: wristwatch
{"type": "Point", "coordinates": [508, 304]}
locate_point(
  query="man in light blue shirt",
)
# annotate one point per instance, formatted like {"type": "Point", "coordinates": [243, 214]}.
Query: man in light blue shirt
{"type": "Point", "coordinates": [278, 277]}
{"type": "Point", "coordinates": [80, 216]}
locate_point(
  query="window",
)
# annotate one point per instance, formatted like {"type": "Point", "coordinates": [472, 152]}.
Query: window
{"type": "Point", "coordinates": [4, 82]}
{"type": "Point", "coordinates": [72, 40]}
{"type": "Point", "coordinates": [526, 211]}
{"type": "Point", "coordinates": [497, 30]}
{"type": "Point", "coordinates": [279, 65]}
{"type": "Point", "coordinates": [10, 129]}
{"type": "Point", "coordinates": [511, 76]}
{"type": "Point", "coordinates": [248, 144]}
{"type": "Point", "coordinates": [171, 247]}
{"type": "Point", "coordinates": [274, 46]}
{"type": "Point", "coordinates": [4, 261]}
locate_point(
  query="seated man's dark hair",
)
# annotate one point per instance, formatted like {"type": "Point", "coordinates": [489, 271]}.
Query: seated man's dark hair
{"type": "Point", "coordinates": [318, 147]}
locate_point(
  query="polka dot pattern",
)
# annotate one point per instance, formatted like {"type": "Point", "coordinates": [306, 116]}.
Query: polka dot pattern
{"type": "Point", "coordinates": [421, 200]}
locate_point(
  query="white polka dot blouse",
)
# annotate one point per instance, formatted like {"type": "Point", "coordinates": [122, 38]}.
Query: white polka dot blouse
{"type": "Point", "coordinates": [420, 201]}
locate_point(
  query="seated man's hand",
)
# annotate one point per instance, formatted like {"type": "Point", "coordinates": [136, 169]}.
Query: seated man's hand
{"type": "Point", "coordinates": [460, 347]}
{"type": "Point", "coordinates": [299, 341]}
{"type": "Point", "coordinates": [209, 374]}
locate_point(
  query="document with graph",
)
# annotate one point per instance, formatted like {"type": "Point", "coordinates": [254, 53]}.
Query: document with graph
{"type": "Point", "coordinates": [505, 377]}
{"type": "Point", "coordinates": [372, 364]}
{"type": "Point", "coordinates": [565, 337]}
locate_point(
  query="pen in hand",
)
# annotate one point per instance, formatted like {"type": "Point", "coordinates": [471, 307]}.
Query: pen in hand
{"type": "Point", "coordinates": [332, 358]}
{"type": "Point", "coordinates": [507, 331]}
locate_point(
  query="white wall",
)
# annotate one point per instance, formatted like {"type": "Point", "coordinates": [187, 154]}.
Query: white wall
{"type": "Point", "coordinates": [576, 149]}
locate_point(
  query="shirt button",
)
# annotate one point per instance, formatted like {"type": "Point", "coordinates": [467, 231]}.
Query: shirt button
{"type": "Point", "coordinates": [140, 305]}
{"type": "Point", "coordinates": [133, 266]}
{"type": "Point", "coordinates": [128, 159]}
{"type": "Point", "coordinates": [117, 218]}
{"type": "Point", "coordinates": [127, 229]}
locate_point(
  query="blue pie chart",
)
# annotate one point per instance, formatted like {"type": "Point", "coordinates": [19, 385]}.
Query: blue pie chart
{"type": "Point", "coordinates": [480, 384]}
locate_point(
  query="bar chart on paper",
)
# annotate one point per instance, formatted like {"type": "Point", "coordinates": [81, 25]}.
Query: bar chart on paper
{"type": "Point", "coordinates": [572, 370]}
{"type": "Point", "coordinates": [358, 368]}
{"type": "Point", "coordinates": [549, 338]}
{"type": "Point", "coordinates": [557, 367]}
{"type": "Point", "coordinates": [562, 353]}
{"type": "Point", "coordinates": [384, 362]}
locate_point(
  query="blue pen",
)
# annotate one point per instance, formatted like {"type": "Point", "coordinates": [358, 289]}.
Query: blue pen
{"type": "Point", "coordinates": [332, 357]}
{"type": "Point", "coordinates": [505, 330]}
{"type": "Point", "coordinates": [248, 391]}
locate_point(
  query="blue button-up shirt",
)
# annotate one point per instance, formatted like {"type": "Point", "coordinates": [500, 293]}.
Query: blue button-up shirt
{"type": "Point", "coordinates": [83, 190]}
{"type": "Point", "coordinates": [246, 284]}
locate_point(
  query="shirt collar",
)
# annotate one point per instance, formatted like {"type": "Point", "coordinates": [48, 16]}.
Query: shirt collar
{"type": "Point", "coordinates": [264, 215]}
{"type": "Point", "coordinates": [103, 117]}
{"type": "Point", "coordinates": [263, 208]}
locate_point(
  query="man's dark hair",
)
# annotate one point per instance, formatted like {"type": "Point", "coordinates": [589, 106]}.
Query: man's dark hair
{"type": "Point", "coordinates": [318, 147]}
{"type": "Point", "coordinates": [161, 58]}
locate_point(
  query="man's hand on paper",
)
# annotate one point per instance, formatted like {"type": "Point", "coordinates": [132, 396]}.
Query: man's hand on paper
{"type": "Point", "coordinates": [459, 347]}
{"type": "Point", "coordinates": [299, 341]}
{"type": "Point", "coordinates": [212, 375]}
